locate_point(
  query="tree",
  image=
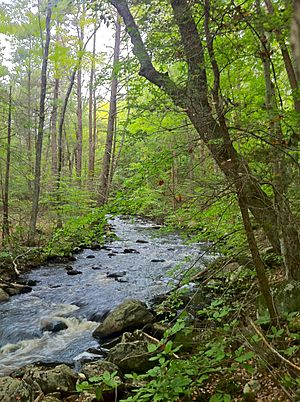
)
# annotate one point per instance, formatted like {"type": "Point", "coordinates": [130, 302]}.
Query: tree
{"type": "Point", "coordinates": [107, 158]}
{"type": "Point", "coordinates": [92, 113]}
{"type": "Point", "coordinates": [5, 196]}
{"type": "Point", "coordinates": [39, 142]}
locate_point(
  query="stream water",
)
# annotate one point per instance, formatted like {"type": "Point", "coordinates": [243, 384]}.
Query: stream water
{"type": "Point", "coordinates": [141, 256]}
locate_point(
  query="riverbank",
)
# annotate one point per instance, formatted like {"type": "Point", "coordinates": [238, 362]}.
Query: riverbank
{"type": "Point", "coordinates": [199, 344]}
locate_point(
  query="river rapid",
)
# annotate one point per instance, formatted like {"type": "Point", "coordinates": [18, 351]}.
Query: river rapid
{"type": "Point", "coordinates": [140, 257]}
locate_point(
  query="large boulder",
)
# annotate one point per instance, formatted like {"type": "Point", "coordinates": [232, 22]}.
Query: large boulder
{"type": "Point", "coordinates": [131, 356]}
{"type": "Point", "coordinates": [59, 379]}
{"type": "Point", "coordinates": [128, 316]}
{"type": "Point", "coordinates": [286, 297]}
{"type": "Point", "coordinates": [13, 389]}
{"type": "Point", "coordinates": [97, 368]}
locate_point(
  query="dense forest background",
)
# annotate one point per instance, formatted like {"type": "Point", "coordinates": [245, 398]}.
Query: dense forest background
{"type": "Point", "coordinates": [189, 116]}
{"type": "Point", "coordinates": [217, 130]}
{"type": "Point", "coordinates": [194, 121]}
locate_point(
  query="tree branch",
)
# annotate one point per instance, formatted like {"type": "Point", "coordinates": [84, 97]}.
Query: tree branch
{"type": "Point", "coordinates": [147, 69]}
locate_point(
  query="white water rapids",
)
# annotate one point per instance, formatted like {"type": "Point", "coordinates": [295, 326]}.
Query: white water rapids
{"type": "Point", "coordinates": [80, 300]}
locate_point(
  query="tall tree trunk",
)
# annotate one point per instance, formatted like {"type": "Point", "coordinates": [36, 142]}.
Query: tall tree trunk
{"type": "Point", "coordinates": [63, 113]}
{"type": "Point", "coordinates": [54, 131]}
{"type": "Point", "coordinates": [80, 33]}
{"type": "Point", "coordinates": [259, 265]}
{"type": "Point", "coordinates": [39, 142]}
{"type": "Point", "coordinates": [92, 114]}
{"type": "Point", "coordinates": [106, 164]}
{"type": "Point", "coordinates": [286, 59]}
{"type": "Point", "coordinates": [29, 116]}
{"type": "Point", "coordinates": [295, 34]}
{"type": "Point", "coordinates": [79, 127]}
{"type": "Point", "coordinates": [288, 234]}
{"type": "Point", "coordinates": [5, 225]}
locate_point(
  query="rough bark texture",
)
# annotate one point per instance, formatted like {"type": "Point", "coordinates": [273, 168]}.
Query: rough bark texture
{"type": "Point", "coordinates": [288, 234]}
{"type": "Point", "coordinates": [295, 34]}
{"type": "Point", "coordinates": [106, 164]}
{"type": "Point", "coordinates": [39, 142]}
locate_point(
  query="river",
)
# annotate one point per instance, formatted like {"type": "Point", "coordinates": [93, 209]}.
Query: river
{"type": "Point", "coordinates": [140, 256]}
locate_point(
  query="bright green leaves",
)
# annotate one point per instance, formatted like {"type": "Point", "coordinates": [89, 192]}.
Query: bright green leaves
{"type": "Point", "coordinates": [99, 384]}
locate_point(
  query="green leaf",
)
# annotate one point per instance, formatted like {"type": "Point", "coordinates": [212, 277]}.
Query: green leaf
{"type": "Point", "coordinates": [152, 347]}
{"type": "Point", "coordinates": [244, 357]}
{"type": "Point", "coordinates": [168, 347]}
{"type": "Point", "coordinates": [98, 394]}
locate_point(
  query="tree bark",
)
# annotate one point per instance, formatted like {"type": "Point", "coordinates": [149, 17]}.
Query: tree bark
{"type": "Point", "coordinates": [286, 59]}
{"type": "Point", "coordinates": [54, 130]}
{"type": "Point", "coordinates": [106, 164]}
{"type": "Point", "coordinates": [5, 225]}
{"type": "Point", "coordinates": [288, 234]}
{"type": "Point", "coordinates": [61, 125]}
{"type": "Point", "coordinates": [79, 127]}
{"type": "Point", "coordinates": [40, 134]}
{"type": "Point", "coordinates": [259, 265]}
{"type": "Point", "coordinates": [295, 34]}
{"type": "Point", "coordinates": [92, 114]}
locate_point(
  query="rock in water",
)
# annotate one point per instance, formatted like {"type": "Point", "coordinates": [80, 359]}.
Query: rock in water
{"type": "Point", "coordinates": [130, 315]}
{"type": "Point", "coordinates": [130, 251]}
{"type": "Point", "coordinates": [74, 272]}
{"type": "Point", "coordinates": [13, 389]}
{"type": "Point", "coordinates": [3, 295]}
{"type": "Point", "coordinates": [52, 325]}
{"type": "Point", "coordinates": [116, 275]}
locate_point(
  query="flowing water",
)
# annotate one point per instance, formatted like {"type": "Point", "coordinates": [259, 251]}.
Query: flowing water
{"type": "Point", "coordinates": [140, 256]}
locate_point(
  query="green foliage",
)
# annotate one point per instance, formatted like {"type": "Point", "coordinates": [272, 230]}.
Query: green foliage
{"type": "Point", "coordinates": [100, 384]}
{"type": "Point", "coordinates": [77, 232]}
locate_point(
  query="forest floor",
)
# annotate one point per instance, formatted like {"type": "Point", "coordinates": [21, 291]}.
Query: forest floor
{"type": "Point", "coordinates": [254, 360]}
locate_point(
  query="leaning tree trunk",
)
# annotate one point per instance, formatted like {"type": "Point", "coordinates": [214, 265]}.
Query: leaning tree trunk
{"type": "Point", "coordinates": [5, 225]}
{"type": "Point", "coordinates": [258, 263]}
{"type": "Point", "coordinates": [194, 100]}
{"type": "Point", "coordinates": [106, 164]}
{"type": "Point", "coordinates": [40, 134]}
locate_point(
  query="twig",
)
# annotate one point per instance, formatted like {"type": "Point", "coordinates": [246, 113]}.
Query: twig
{"type": "Point", "coordinates": [272, 349]}
{"type": "Point", "coordinates": [39, 398]}
{"type": "Point", "coordinates": [151, 338]}
{"type": "Point", "coordinates": [15, 259]}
